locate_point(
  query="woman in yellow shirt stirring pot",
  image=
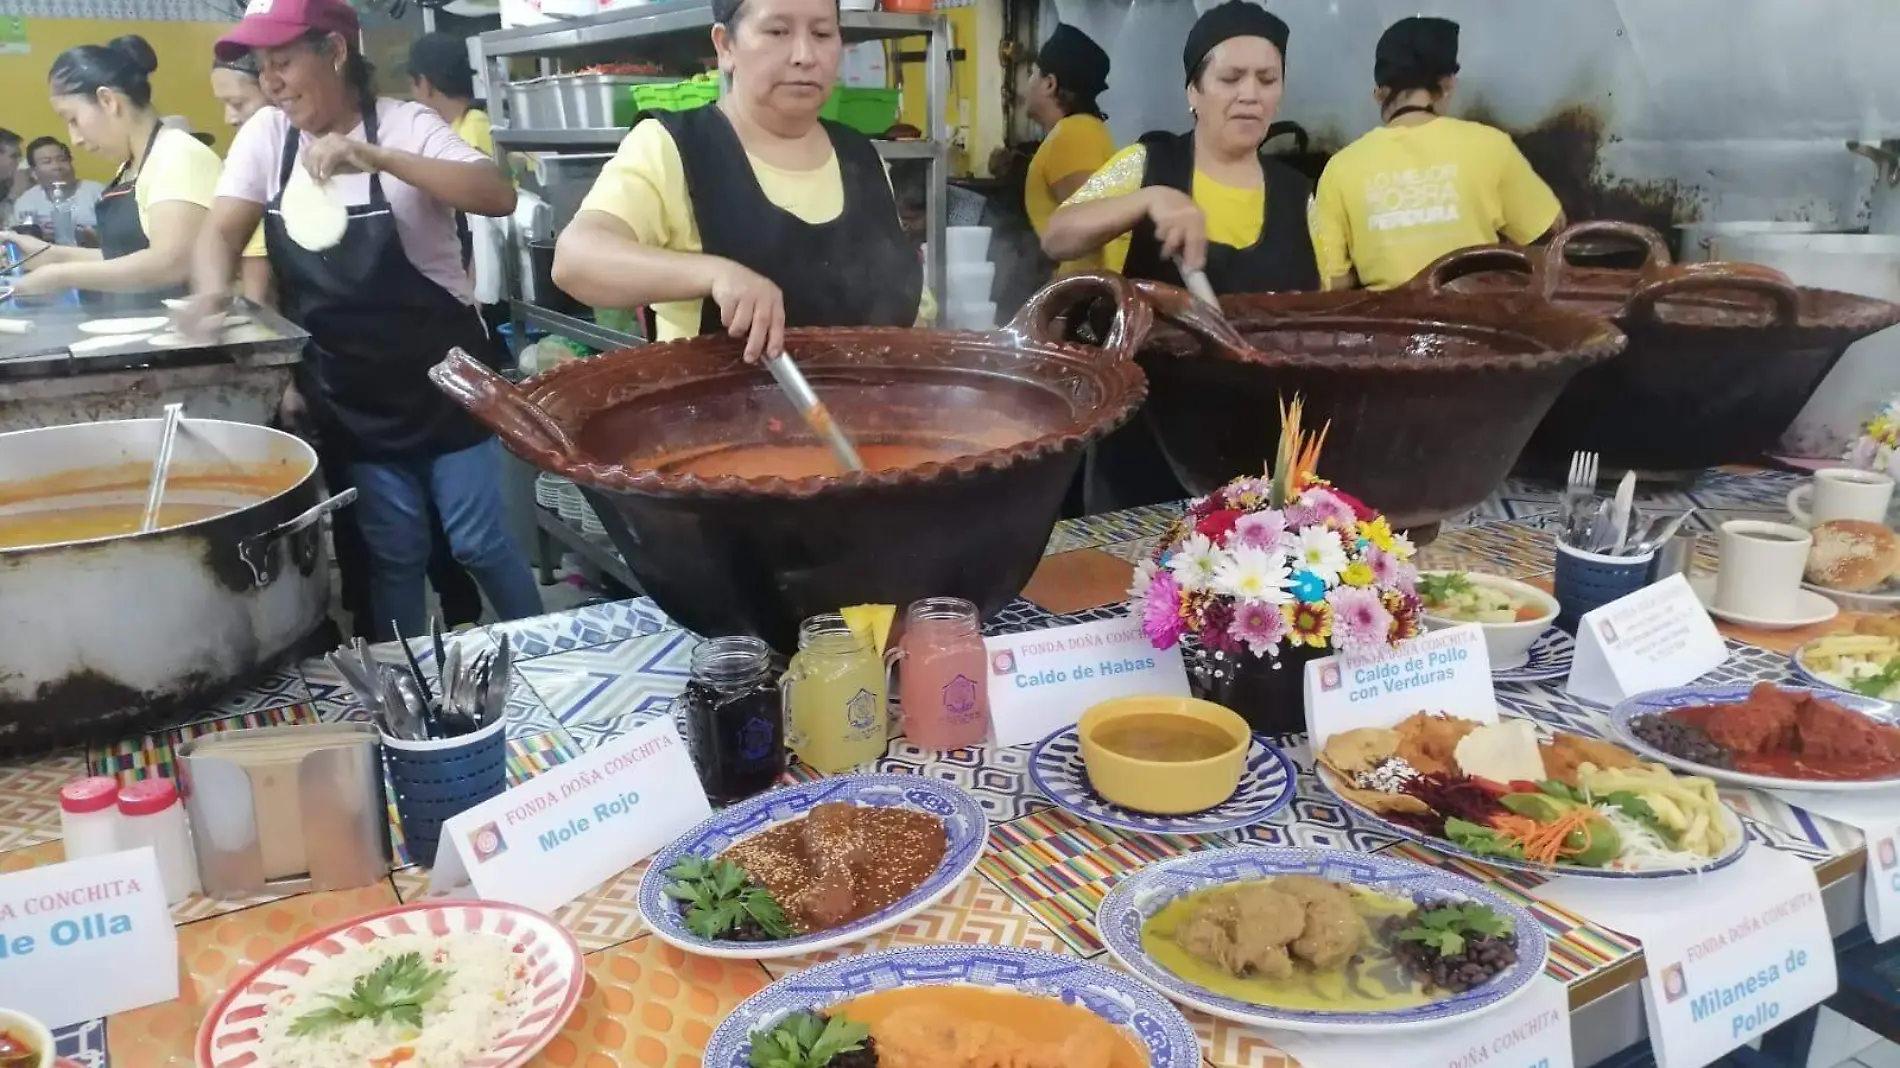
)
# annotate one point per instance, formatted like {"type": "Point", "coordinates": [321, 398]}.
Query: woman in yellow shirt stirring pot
{"type": "Point", "coordinates": [750, 215]}
{"type": "Point", "coordinates": [1422, 184]}
{"type": "Point", "coordinates": [1071, 71]}
{"type": "Point", "coordinates": [1207, 200]}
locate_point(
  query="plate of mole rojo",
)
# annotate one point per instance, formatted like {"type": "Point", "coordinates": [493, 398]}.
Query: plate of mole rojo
{"type": "Point", "coordinates": [1767, 736]}
{"type": "Point", "coordinates": [1321, 940]}
{"type": "Point", "coordinates": [812, 866]}
{"type": "Point", "coordinates": [1554, 804]}
{"type": "Point", "coordinates": [955, 1007]}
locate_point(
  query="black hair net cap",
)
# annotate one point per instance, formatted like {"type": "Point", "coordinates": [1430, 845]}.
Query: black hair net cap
{"type": "Point", "coordinates": [1414, 53]}
{"type": "Point", "coordinates": [1078, 63]}
{"type": "Point", "coordinates": [1235, 18]}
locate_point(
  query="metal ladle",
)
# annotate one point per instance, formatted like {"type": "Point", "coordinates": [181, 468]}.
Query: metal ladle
{"type": "Point", "coordinates": [161, 467]}
{"type": "Point", "coordinates": [798, 390]}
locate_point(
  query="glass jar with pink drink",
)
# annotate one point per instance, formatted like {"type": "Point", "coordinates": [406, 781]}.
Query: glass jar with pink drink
{"type": "Point", "coordinates": [941, 680]}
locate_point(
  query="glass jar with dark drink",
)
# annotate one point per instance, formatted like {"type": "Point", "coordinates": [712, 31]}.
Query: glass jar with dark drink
{"type": "Point", "coordinates": [733, 718]}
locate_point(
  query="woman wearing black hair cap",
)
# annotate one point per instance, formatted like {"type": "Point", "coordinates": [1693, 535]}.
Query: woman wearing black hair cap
{"type": "Point", "coordinates": [1423, 183]}
{"type": "Point", "coordinates": [150, 215]}
{"type": "Point", "coordinates": [753, 214]}
{"type": "Point", "coordinates": [1206, 199]}
{"type": "Point", "coordinates": [1071, 71]}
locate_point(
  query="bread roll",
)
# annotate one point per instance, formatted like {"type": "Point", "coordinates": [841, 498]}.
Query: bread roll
{"type": "Point", "coordinates": [1852, 555]}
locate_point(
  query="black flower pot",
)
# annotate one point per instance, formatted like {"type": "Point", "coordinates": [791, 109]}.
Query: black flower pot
{"type": "Point", "coordinates": [1269, 693]}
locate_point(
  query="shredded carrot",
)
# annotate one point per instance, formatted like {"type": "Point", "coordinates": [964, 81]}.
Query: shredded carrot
{"type": "Point", "coordinates": [1544, 842]}
{"type": "Point", "coordinates": [394, 1057]}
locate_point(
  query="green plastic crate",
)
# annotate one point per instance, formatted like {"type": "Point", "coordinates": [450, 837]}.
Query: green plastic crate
{"type": "Point", "coordinates": [653, 96]}
{"type": "Point", "coordinates": [695, 93]}
{"type": "Point", "coordinates": [868, 111]}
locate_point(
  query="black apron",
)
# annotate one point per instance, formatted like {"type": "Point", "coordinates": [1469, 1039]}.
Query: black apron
{"type": "Point", "coordinates": [1126, 469]}
{"type": "Point", "coordinates": [859, 269]}
{"type": "Point", "coordinates": [377, 324]}
{"type": "Point", "coordinates": [120, 233]}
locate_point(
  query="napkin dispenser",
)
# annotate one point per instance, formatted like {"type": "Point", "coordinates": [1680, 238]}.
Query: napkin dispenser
{"type": "Point", "coordinates": [278, 810]}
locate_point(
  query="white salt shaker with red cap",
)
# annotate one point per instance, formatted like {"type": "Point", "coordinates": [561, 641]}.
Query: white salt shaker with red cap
{"type": "Point", "coordinates": [89, 816]}
{"type": "Point", "coordinates": [151, 814]}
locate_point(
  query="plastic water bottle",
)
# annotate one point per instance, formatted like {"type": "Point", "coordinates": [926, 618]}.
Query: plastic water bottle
{"type": "Point", "coordinates": [65, 232]}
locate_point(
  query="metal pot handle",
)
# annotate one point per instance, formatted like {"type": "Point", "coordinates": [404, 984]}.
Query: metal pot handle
{"type": "Point", "coordinates": [1178, 306]}
{"type": "Point", "coordinates": [1035, 323]}
{"type": "Point", "coordinates": [256, 550]}
{"type": "Point", "coordinates": [1457, 263]}
{"type": "Point", "coordinates": [1555, 262]}
{"type": "Point", "coordinates": [1692, 278]}
{"type": "Point", "coordinates": [501, 406]}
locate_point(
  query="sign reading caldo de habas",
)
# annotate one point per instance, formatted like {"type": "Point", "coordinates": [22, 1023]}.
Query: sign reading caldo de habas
{"type": "Point", "coordinates": [546, 841]}
{"type": "Point", "coordinates": [87, 938]}
{"type": "Point", "coordinates": [1043, 680]}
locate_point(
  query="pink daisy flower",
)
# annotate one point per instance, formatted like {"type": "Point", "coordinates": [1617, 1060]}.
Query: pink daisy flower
{"type": "Point", "coordinates": [1328, 507]}
{"type": "Point", "coordinates": [1260, 626]}
{"type": "Point", "coordinates": [1259, 530]}
{"type": "Point", "coordinates": [1359, 619]}
{"type": "Point", "coordinates": [1161, 611]}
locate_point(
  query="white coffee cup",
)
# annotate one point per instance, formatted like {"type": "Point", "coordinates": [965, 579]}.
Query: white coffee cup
{"type": "Point", "coordinates": [1842, 493]}
{"type": "Point", "coordinates": [1760, 572]}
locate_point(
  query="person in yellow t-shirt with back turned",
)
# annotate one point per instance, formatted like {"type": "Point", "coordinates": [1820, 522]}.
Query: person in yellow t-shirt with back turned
{"type": "Point", "coordinates": [1071, 71]}
{"type": "Point", "coordinates": [1423, 183]}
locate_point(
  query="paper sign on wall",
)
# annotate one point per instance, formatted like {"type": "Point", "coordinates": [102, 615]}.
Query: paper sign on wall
{"type": "Point", "coordinates": [1876, 814]}
{"type": "Point", "coordinates": [87, 938]}
{"type": "Point", "coordinates": [1043, 680]}
{"type": "Point", "coordinates": [1730, 954]}
{"type": "Point", "coordinates": [1657, 637]}
{"type": "Point", "coordinates": [1533, 1031]}
{"type": "Point", "coordinates": [553, 837]}
{"type": "Point", "coordinates": [1443, 671]}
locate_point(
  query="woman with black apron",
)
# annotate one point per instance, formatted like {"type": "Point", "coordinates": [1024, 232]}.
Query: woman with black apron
{"type": "Point", "coordinates": [383, 304]}
{"type": "Point", "coordinates": [753, 214]}
{"type": "Point", "coordinates": [150, 216]}
{"type": "Point", "coordinates": [1207, 200]}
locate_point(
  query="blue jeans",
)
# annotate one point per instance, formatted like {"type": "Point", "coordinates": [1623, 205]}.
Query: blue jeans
{"type": "Point", "coordinates": [392, 510]}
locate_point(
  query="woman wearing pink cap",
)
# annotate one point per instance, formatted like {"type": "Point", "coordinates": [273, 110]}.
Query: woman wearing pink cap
{"type": "Point", "coordinates": [382, 306]}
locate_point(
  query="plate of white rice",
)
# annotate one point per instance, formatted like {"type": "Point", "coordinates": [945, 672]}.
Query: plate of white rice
{"type": "Point", "coordinates": [484, 985]}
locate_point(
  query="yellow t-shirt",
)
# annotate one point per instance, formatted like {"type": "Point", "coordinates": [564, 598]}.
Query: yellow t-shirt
{"type": "Point", "coordinates": [1079, 144]}
{"type": "Point", "coordinates": [1401, 196]}
{"type": "Point", "coordinates": [179, 167]}
{"type": "Point", "coordinates": [474, 128]}
{"type": "Point", "coordinates": [644, 186]}
{"type": "Point", "coordinates": [1234, 214]}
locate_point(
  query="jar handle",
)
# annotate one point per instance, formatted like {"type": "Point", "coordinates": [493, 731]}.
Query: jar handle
{"type": "Point", "coordinates": [1035, 323]}
{"type": "Point", "coordinates": [891, 657]}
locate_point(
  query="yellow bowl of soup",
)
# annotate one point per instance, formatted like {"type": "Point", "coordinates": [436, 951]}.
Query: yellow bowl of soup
{"type": "Point", "coordinates": [1164, 755]}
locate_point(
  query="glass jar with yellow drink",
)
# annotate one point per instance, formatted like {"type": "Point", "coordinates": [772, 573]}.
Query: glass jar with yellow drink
{"type": "Point", "coordinates": [834, 697]}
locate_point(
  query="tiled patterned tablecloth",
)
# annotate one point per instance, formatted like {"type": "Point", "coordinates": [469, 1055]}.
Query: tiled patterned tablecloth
{"type": "Point", "coordinates": [595, 672]}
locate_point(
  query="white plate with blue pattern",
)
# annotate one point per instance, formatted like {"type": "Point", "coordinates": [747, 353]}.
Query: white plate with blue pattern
{"type": "Point", "coordinates": [1267, 785]}
{"type": "Point", "coordinates": [1138, 1012]}
{"type": "Point", "coordinates": [1623, 716]}
{"type": "Point", "coordinates": [1550, 658]}
{"type": "Point", "coordinates": [966, 829]}
{"type": "Point", "coordinates": [1138, 897]}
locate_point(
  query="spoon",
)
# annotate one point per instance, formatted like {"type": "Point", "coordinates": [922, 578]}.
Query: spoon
{"type": "Point", "coordinates": [1198, 285]}
{"type": "Point", "coordinates": [161, 467]}
{"type": "Point", "coordinates": [798, 390]}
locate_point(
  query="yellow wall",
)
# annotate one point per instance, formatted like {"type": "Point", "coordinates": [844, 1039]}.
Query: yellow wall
{"type": "Point", "coordinates": [181, 85]}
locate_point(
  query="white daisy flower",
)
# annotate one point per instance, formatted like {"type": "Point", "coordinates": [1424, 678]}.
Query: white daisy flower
{"type": "Point", "coordinates": [1194, 562]}
{"type": "Point", "coordinates": [1321, 552]}
{"type": "Point", "coordinates": [1250, 574]}
{"type": "Point", "coordinates": [1144, 574]}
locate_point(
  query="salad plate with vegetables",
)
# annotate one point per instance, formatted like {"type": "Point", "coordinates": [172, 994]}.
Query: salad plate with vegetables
{"type": "Point", "coordinates": [1516, 619]}
{"type": "Point", "coordinates": [1503, 794]}
{"type": "Point", "coordinates": [1866, 662]}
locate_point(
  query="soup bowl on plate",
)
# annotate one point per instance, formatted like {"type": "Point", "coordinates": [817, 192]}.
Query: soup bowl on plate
{"type": "Point", "coordinates": [32, 1033]}
{"type": "Point", "coordinates": [1163, 755]}
{"type": "Point", "coordinates": [1508, 644]}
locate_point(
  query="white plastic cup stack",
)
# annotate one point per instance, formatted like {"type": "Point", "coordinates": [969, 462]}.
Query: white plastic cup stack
{"type": "Point", "coordinates": [969, 276]}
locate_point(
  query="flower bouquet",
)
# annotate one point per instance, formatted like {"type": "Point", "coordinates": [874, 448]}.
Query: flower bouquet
{"type": "Point", "coordinates": [1878, 447]}
{"type": "Point", "coordinates": [1266, 573]}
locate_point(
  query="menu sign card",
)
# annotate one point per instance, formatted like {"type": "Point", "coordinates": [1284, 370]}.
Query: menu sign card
{"type": "Point", "coordinates": [1043, 680]}
{"type": "Point", "coordinates": [1730, 954]}
{"type": "Point", "coordinates": [1657, 637]}
{"type": "Point", "coordinates": [1876, 814]}
{"type": "Point", "coordinates": [87, 938]}
{"type": "Point", "coordinates": [544, 842]}
{"type": "Point", "coordinates": [1442, 671]}
{"type": "Point", "coordinates": [1532, 1031]}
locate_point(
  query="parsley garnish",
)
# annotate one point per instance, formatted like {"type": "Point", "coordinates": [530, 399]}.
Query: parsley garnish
{"type": "Point", "coordinates": [1445, 927]}
{"type": "Point", "coordinates": [396, 990]}
{"type": "Point", "coordinates": [1437, 589]}
{"type": "Point", "coordinates": [718, 897]}
{"type": "Point", "coordinates": [803, 1040]}
{"type": "Point", "coordinates": [1880, 682]}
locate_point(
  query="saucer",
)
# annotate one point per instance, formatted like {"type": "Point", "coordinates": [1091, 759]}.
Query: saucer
{"type": "Point", "coordinates": [1809, 608]}
{"type": "Point", "coordinates": [1882, 598]}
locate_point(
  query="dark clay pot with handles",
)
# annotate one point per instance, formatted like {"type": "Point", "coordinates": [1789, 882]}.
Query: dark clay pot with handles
{"type": "Point", "coordinates": [730, 513]}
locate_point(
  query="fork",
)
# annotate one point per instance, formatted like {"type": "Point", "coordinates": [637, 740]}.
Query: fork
{"type": "Point", "coordinates": [1580, 488]}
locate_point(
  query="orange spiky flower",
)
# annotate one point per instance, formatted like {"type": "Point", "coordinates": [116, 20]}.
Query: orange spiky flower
{"type": "Point", "coordinates": [1296, 460]}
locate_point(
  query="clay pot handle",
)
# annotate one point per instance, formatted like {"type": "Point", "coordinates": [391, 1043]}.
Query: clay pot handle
{"type": "Point", "coordinates": [498, 404]}
{"type": "Point", "coordinates": [1457, 263]}
{"type": "Point", "coordinates": [1133, 316]}
{"type": "Point", "coordinates": [1690, 278]}
{"type": "Point", "coordinates": [1184, 310]}
{"type": "Point", "coordinates": [1556, 262]}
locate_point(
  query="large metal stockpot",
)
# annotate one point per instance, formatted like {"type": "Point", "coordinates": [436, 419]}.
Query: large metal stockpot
{"type": "Point", "coordinates": [99, 635]}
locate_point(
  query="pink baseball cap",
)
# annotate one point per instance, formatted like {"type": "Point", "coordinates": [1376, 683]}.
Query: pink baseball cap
{"type": "Point", "coordinates": [275, 23]}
